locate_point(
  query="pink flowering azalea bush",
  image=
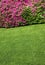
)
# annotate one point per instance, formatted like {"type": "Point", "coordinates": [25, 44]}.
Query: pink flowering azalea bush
{"type": "Point", "coordinates": [21, 12]}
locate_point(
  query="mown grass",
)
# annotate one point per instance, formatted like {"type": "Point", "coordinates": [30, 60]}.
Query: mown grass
{"type": "Point", "coordinates": [23, 45]}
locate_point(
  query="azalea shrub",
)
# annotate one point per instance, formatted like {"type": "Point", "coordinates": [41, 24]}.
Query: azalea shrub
{"type": "Point", "coordinates": [21, 12]}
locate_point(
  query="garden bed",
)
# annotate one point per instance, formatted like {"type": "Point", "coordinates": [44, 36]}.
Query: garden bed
{"type": "Point", "coordinates": [20, 13]}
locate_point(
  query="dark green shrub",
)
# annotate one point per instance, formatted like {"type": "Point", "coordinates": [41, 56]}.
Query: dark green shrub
{"type": "Point", "coordinates": [32, 18]}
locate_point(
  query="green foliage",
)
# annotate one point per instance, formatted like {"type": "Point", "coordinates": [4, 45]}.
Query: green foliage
{"type": "Point", "coordinates": [27, 15]}
{"type": "Point", "coordinates": [20, 23]}
{"type": "Point", "coordinates": [35, 18]}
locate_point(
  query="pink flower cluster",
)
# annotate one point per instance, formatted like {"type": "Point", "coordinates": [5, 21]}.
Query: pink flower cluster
{"type": "Point", "coordinates": [12, 10]}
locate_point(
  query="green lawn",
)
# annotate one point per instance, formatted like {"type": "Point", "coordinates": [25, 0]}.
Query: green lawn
{"type": "Point", "coordinates": [23, 45]}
